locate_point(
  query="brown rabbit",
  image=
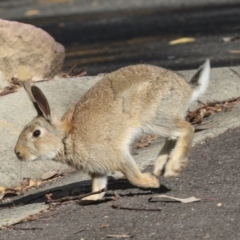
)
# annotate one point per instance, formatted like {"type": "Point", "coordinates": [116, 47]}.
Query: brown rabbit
{"type": "Point", "coordinates": [95, 135]}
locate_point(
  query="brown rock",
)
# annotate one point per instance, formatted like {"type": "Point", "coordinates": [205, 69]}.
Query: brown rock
{"type": "Point", "coordinates": [27, 51]}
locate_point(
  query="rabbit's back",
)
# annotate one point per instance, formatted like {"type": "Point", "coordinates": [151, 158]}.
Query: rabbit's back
{"type": "Point", "coordinates": [146, 87]}
{"type": "Point", "coordinates": [126, 99]}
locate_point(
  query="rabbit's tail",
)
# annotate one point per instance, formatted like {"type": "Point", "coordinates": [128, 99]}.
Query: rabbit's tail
{"type": "Point", "coordinates": [200, 80]}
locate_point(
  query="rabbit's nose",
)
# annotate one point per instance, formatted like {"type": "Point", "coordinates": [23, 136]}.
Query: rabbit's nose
{"type": "Point", "coordinates": [18, 154]}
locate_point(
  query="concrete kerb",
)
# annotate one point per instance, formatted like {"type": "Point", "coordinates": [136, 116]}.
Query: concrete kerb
{"type": "Point", "coordinates": [16, 110]}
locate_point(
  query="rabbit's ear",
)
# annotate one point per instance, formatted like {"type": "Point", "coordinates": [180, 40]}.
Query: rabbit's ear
{"type": "Point", "coordinates": [27, 88]}
{"type": "Point", "coordinates": [41, 102]}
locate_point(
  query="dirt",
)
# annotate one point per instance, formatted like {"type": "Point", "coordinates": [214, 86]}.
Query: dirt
{"type": "Point", "coordinates": [213, 174]}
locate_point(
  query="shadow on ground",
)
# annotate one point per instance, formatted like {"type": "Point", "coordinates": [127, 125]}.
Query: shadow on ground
{"type": "Point", "coordinates": [82, 188]}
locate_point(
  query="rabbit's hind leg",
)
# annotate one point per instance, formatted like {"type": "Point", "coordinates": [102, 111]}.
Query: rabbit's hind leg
{"type": "Point", "coordinates": [163, 157]}
{"type": "Point", "coordinates": [179, 156]}
{"type": "Point", "coordinates": [130, 169]}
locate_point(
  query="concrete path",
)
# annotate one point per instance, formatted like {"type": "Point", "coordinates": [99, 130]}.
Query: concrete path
{"type": "Point", "coordinates": [16, 110]}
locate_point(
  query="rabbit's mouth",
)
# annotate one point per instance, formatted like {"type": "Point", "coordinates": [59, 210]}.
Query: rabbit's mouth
{"type": "Point", "coordinates": [33, 157]}
{"type": "Point", "coordinates": [48, 156]}
{"type": "Point", "coordinates": [25, 158]}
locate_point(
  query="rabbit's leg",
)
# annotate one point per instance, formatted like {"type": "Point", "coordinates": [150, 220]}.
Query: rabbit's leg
{"type": "Point", "coordinates": [98, 183]}
{"type": "Point", "coordinates": [163, 156]}
{"type": "Point", "coordinates": [179, 155]}
{"type": "Point", "coordinates": [130, 169]}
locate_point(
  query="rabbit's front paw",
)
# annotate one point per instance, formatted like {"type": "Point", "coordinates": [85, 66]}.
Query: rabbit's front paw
{"type": "Point", "coordinates": [94, 197]}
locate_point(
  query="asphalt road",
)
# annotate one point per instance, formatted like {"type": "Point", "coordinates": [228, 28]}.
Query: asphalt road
{"type": "Point", "coordinates": [106, 40]}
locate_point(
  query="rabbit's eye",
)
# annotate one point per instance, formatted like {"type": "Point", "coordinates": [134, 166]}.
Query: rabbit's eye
{"type": "Point", "coordinates": [36, 133]}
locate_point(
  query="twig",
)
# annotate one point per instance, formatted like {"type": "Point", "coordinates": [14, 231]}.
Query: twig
{"type": "Point", "coordinates": [116, 196]}
{"type": "Point", "coordinates": [8, 90]}
{"type": "Point", "coordinates": [78, 197]}
{"type": "Point", "coordinates": [21, 228]}
{"type": "Point", "coordinates": [211, 199]}
{"type": "Point", "coordinates": [84, 229]}
{"type": "Point", "coordinates": [198, 128]}
{"type": "Point", "coordinates": [46, 218]}
{"type": "Point", "coordinates": [72, 73]}
{"type": "Point", "coordinates": [71, 69]}
{"type": "Point", "coordinates": [234, 71]}
{"type": "Point", "coordinates": [120, 236]}
{"type": "Point", "coordinates": [115, 206]}
{"type": "Point", "coordinates": [42, 196]}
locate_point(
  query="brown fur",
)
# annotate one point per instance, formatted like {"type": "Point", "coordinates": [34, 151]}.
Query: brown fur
{"type": "Point", "coordinates": [96, 133]}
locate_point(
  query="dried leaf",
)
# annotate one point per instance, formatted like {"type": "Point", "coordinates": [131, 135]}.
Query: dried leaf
{"type": "Point", "coordinates": [49, 175]}
{"type": "Point", "coordinates": [145, 141]}
{"type": "Point", "coordinates": [182, 200]}
{"type": "Point", "coordinates": [9, 194]}
{"type": "Point", "coordinates": [229, 39]}
{"type": "Point", "coordinates": [2, 189]}
{"type": "Point", "coordinates": [49, 196]}
{"type": "Point", "coordinates": [196, 117]}
{"type": "Point", "coordinates": [74, 73]}
{"type": "Point", "coordinates": [120, 236]}
{"type": "Point", "coordinates": [182, 40]}
{"type": "Point", "coordinates": [234, 51]}
{"type": "Point", "coordinates": [105, 225]}
{"type": "Point", "coordinates": [8, 90]}
{"type": "Point", "coordinates": [32, 12]}
{"type": "Point", "coordinates": [34, 183]}
{"type": "Point", "coordinates": [25, 182]}
{"type": "Point", "coordinates": [226, 39]}
{"type": "Point", "coordinates": [15, 82]}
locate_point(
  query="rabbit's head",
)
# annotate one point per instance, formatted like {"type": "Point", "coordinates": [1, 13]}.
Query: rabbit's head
{"type": "Point", "coordinates": [42, 138]}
